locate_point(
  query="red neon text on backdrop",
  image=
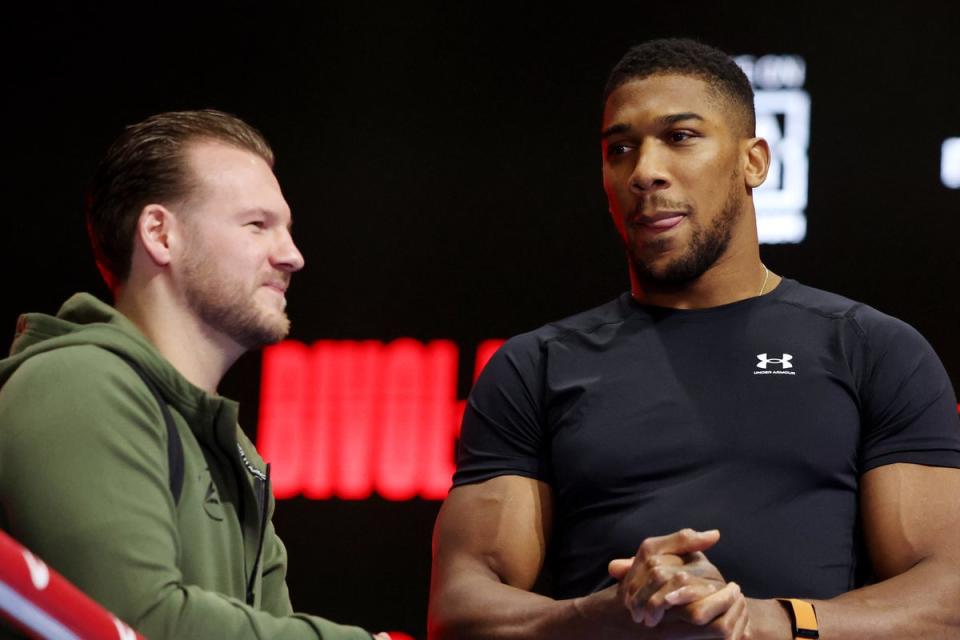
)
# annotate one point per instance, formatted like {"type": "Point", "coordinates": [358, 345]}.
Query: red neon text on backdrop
{"type": "Point", "coordinates": [346, 418]}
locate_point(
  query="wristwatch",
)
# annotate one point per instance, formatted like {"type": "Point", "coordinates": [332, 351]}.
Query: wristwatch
{"type": "Point", "coordinates": [803, 617]}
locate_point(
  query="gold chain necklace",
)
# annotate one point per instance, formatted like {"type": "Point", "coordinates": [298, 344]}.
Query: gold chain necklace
{"type": "Point", "coordinates": [766, 274]}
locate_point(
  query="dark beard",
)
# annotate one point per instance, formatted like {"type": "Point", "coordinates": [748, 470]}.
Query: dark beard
{"type": "Point", "coordinates": [706, 247]}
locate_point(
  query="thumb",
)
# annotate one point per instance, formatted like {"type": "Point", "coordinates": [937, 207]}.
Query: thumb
{"type": "Point", "coordinates": [679, 543]}
{"type": "Point", "coordinates": [618, 568]}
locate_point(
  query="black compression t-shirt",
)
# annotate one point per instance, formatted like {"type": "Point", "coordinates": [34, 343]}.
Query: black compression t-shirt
{"type": "Point", "coordinates": [756, 418]}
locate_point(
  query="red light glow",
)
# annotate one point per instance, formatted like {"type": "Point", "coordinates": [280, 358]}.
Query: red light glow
{"type": "Point", "coordinates": [347, 418]}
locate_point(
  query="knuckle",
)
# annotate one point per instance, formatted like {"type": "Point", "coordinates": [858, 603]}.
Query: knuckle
{"type": "Point", "coordinates": [698, 615]}
{"type": "Point", "coordinates": [686, 535]}
{"type": "Point", "coordinates": [647, 548]}
{"type": "Point", "coordinates": [660, 574]}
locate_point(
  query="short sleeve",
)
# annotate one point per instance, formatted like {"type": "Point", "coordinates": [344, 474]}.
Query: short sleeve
{"type": "Point", "coordinates": [502, 431]}
{"type": "Point", "coordinates": [909, 408]}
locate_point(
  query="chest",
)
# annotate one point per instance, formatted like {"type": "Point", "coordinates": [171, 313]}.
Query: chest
{"type": "Point", "coordinates": [666, 403]}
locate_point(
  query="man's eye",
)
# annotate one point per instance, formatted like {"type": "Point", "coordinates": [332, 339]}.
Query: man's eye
{"type": "Point", "coordinates": [680, 136]}
{"type": "Point", "coordinates": [617, 149]}
{"type": "Point", "coordinates": [259, 224]}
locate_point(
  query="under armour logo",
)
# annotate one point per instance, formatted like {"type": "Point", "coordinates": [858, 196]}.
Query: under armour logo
{"type": "Point", "coordinates": [783, 361]}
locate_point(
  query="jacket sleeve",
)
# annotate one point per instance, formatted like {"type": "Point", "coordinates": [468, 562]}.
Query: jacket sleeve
{"type": "Point", "coordinates": [84, 485]}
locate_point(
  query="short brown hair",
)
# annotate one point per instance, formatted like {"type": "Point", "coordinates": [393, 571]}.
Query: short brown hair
{"type": "Point", "coordinates": [146, 165]}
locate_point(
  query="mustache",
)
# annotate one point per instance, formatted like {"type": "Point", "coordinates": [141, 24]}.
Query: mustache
{"type": "Point", "coordinates": [655, 207]}
{"type": "Point", "coordinates": [655, 203]}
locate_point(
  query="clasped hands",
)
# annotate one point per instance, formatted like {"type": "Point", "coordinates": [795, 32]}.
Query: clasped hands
{"type": "Point", "coordinates": [671, 585]}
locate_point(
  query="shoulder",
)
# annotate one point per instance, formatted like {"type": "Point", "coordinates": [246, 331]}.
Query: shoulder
{"type": "Point", "coordinates": [887, 356]}
{"type": "Point", "coordinates": [83, 386]}
{"type": "Point", "coordinates": [74, 368]}
{"type": "Point", "coordinates": [870, 323]}
{"type": "Point", "coordinates": [819, 302]}
{"type": "Point", "coordinates": [569, 329]}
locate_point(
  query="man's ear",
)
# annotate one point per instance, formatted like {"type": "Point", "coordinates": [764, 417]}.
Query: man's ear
{"type": "Point", "coordinates": [756, 162]}
{"type": "Point", "coordinates": [155, 229]}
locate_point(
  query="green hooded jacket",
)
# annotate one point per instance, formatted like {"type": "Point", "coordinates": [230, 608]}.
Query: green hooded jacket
{"type": "Point", "coordinates": [85, 485]}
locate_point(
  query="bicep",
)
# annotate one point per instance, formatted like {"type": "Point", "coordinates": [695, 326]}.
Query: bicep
{"type": "Point", "coordinates": [910, 513]}
{"type": "Point", "coordinates": [496, 529]}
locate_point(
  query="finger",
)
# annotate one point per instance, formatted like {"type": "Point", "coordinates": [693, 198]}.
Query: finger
{"type": "Point", "coordinates": [644, 579]}
{"type": "Point", "coordinates": [731, 624]}
{"type": "Point", "coordinates": [619, 567]}
{"type": "Point", "coordinates": [690, 593]}
{"type": "Point", "coordinates": [656, 604]}
{"type": "Point", "coordinates": [706, 609]}
{"type": "Point", "coordinates": [697, 564]}
{"type": "Point", "coordinates": [743, 621]}
{"type": "Point", "coordinates": [680, 542]}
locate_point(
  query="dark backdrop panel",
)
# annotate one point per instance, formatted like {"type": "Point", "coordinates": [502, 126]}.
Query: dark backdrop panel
{"type": "Point", "coordinates": [443, 168]}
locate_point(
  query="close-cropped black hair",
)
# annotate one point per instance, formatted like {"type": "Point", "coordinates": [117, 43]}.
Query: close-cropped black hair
{"type": "Point", "coordinates": [691, 58]}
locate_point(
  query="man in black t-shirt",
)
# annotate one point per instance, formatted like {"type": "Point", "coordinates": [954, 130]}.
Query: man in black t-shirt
{"type": "Point", "coordinates": [818, 436]}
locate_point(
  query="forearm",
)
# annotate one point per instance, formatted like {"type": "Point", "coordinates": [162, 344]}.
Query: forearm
{"type": "Point", "coordinates": [919, 603]}
{"type": "Point", "coordinates": [190, 612]}
{"type": "Point", "coordinates": [480, 607]}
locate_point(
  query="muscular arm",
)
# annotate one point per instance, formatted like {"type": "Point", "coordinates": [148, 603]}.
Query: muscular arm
{"type": "Point", "coordinates": [489, 546]}
{"type": "Point", "coordinates": [911, 520]}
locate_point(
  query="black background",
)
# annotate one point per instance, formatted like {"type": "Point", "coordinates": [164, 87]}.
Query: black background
{"type": "Point", "coordinates": [443, 167]}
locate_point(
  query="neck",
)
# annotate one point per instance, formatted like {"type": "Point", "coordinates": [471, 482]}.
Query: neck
{"type": "Point", "coordinates": [730, 279]}
{"type": "Point", "coordinates": [198, 353]}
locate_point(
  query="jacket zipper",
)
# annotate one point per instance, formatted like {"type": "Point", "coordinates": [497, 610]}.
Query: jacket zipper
{"type": "Point", "coordinates": [262, 505]}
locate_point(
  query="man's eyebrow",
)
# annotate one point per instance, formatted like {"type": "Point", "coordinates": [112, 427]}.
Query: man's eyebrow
{"type": "Point", "coordinates": [674, 118]}
{"type": "Point", "coordinates": [613, 130]}
{"type": "Point", "coordinates": [662, 121]}
{"type": "Point", "coordinates": [269, 213]}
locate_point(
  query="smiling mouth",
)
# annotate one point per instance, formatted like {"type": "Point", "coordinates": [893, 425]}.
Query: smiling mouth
{"type": "Point", "coordinates": [279, 287]}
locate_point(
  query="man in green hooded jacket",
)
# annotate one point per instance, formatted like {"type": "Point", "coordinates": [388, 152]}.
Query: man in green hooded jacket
{"type": "Point", "coordinates": [192, 234]}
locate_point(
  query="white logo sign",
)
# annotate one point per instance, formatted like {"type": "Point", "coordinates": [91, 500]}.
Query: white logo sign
{"type": "Point", "coordinates": [783, 361]}
{"type": "Point", "coordinates": [39, 573]}
{"type": "Point", "coordinates": [767, 366]}
{"type": "Point", "coordinates": [783, 119]}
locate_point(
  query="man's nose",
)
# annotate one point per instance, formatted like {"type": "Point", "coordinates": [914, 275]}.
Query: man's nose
{"type": "Point", "coordinates": [649, 174]}
{"type": "Point", "coordinates": [288, 256]}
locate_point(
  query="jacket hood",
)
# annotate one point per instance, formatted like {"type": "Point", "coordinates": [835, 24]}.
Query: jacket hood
{"type": "Point", "coordinates": [85, 320]}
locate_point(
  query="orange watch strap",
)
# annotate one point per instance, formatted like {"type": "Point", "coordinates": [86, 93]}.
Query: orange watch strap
{"type": "Point", "coordinates": [803, 616]}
